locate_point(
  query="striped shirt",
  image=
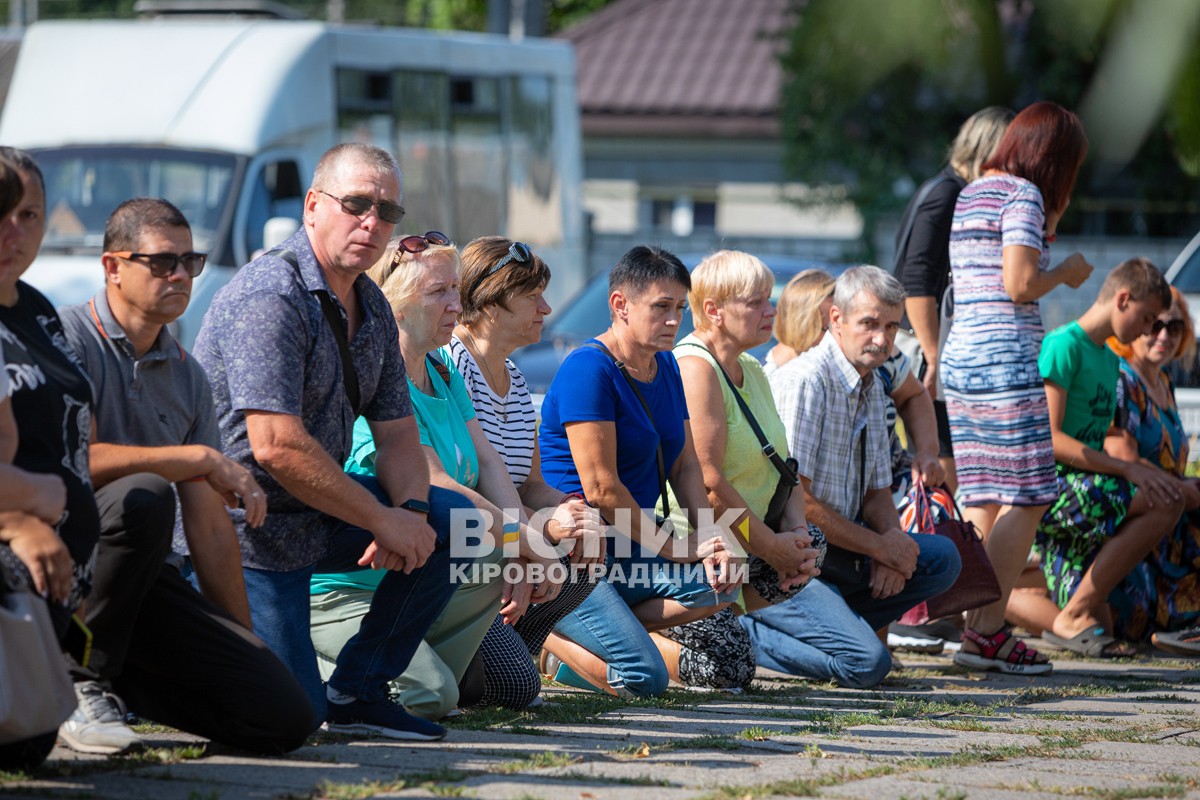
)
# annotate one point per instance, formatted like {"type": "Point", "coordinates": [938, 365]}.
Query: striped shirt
{"type": "Point", "coordinates": [508, 421]}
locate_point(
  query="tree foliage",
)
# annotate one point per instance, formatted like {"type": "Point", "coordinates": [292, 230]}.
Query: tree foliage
{"type": "Point", "coordinates": [463, 15]}
{"type": "Point", "coordinates": [874, 92]}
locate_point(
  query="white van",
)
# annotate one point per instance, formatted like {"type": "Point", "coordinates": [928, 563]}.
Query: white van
{"type": "Point", "coordinates": [227, 118]}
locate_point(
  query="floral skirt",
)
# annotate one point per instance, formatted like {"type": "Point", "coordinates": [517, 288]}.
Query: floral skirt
{"type": "Point", "coordinates": [1089, 509]}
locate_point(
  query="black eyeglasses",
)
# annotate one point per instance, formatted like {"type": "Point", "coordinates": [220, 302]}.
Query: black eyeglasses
{"type": "Point", "coordinates": [1174, 328]}
{"type": "Point", "coordinates": [162, 265]}
{"type": "Point", "coordinates": [518, 252]}
{"type": "Point", "coordinates": [357, 206]}
{"type": "Point", "coordinates": [419, 244]}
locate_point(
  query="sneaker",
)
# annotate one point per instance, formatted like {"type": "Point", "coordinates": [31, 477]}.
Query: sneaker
{"type": "Point", "coordinates": [98, 724]}
{"type": "Point", "coordinates": [384, 718]}
{"type": "Point", "coordinates": [948, 629]}
{"type": "Point", "coordinates": [913, 639]}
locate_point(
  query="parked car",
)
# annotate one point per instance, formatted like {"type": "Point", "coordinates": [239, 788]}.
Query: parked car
{"type": "Point", "coordinates": [586, 316]}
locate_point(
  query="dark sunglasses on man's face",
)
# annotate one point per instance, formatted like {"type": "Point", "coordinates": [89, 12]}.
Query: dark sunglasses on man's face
{"type": "Point", "coordinates": [419, 244]}
{"type": "Point", "coordinates": [357, 206]}
{"type": "Point", "coordinates": [162, 265]}
{"type": "Point", "coordinates": [1174, 327]}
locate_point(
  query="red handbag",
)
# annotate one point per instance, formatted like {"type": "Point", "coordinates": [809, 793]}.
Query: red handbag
{"type": "Point", "coordinates": [976, 585]}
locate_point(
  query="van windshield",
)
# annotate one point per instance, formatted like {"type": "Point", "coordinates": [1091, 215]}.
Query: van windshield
{"type": "Point", "coordinates": [85, 184]}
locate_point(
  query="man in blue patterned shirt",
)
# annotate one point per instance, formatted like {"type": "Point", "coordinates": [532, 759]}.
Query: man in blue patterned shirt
{"type": "Point", "coordinates": [285, 407]}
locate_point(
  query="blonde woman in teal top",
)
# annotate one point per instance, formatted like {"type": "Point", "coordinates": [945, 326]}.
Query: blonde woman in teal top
{"type": "Point", "coordinates": [419, 277]}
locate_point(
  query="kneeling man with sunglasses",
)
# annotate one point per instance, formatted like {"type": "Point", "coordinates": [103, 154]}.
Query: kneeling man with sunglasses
{"type": "Point", "coordinates": [174, 655]}
{"type": "Point", "coordinates": [297, 346]}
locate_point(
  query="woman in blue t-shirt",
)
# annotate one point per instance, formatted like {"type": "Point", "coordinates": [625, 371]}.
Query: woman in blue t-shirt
{"type": "Point", "coordinates": [615, 427]}
{"type": "Point", "coordinates": [419, 276]}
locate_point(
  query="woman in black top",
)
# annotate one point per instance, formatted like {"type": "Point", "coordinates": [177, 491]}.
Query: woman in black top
{"type": "Point", "coordinates": [923, 251]}
{"type": "Point", "coordinates": [50, 396]}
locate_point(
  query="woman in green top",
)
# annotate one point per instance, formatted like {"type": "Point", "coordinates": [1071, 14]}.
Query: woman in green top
{"type": "Point", "coordinates": [419, 276]}
{"type": "Point", "coordinates": [731, 307]}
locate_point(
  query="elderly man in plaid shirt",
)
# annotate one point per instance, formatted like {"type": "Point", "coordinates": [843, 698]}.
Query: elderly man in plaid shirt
{"type": "Point", "coordinates": [833, 408]}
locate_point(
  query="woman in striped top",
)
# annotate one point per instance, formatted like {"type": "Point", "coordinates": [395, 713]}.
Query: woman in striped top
{"type": "Point", "coordinates": [501, 284]}
{"type": "Point", "coordinates": [995, 398]}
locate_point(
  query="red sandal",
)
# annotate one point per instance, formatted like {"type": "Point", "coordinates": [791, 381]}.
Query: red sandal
{"type": "Point", "coordinates": [1021, 659]}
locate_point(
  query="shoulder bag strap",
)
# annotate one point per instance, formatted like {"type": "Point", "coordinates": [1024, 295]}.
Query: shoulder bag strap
{"type": "Point", "coordinates": [768, 449]}
{"type": "Point", "coordinates": [662, 472]}
{"type": "Point", "coordinates": [329, 309]}
{"type": "Point", "coordinates": [440, 367]}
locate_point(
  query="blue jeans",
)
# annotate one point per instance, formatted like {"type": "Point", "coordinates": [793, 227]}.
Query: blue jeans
{"type": "Point", "coordinates": [827, 632]}
{"type": "Point", "coordinates": [402, 610]}
{"type": "Point", "coordinates": [605, 626]}
{"type": "Point", "coordinates": [667, 580]}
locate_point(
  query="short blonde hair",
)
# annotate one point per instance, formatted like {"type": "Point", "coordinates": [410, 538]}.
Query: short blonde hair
{"type": "Point", "coordinates": [724, 275]}
{"type": "Point", "coordinates": [398, 272]}
{"type": "Point", "coordinates": [798, 322]}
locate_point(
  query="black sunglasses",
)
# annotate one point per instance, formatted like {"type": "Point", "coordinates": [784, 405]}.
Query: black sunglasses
{"type": "Point", "coordinates": [419, 244]}
{"type": "Point", "coordinates": [162, 265]}
{"type": "Point", "coordinates": [357, 206]}
{"type": "Point", "coordinates": [1174, 328]}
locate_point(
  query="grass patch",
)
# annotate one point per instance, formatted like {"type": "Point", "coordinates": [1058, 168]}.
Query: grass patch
{"type": "Point", "coordinates": [964, 725]}
{"type": "Point", "coordinates": [758, 734]}
{"type": "Point", "coordinates": [328, 790]}
{"type": "Point", "coordinates": [584, 777]}
{"type": "Point", "coordinates": [437, 782]}
{"type": "Point", "coordinates": [1045, 694]}
{"type": "Point", "coordinates": [542, 760]}
{"type": "Point", "coordinates": [796, 787]}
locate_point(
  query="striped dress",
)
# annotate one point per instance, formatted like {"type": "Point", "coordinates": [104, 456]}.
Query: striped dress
{"type": "Point", "coordinates": [995, 397]}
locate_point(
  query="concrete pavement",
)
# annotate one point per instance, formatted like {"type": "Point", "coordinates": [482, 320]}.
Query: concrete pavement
{"type": "Point", "coordinates": [1112, 730]}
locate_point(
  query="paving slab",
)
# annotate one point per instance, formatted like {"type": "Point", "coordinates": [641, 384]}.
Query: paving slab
{"type": "Point", "coordinates": [939, 731]}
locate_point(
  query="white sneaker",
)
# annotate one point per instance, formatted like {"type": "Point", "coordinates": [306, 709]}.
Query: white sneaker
{"type": "Point", "coordinates": [98, 724]}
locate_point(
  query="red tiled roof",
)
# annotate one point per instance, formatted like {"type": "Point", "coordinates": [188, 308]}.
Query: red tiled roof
{"type": "Point", "coordinates": [643, 60]}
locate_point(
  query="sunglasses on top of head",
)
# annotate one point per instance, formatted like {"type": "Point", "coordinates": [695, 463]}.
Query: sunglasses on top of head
{"type": "Point", "coordinates": [357, 206]}
{"type": "Point", "coordinates": [162, 265]}
{"type": "Point", "coordinates": [518, 252]}
{"type": "Point", "coordinates": [419, 244]}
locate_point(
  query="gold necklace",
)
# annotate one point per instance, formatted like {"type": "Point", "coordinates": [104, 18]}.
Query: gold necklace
{"type": "Point", "coordinates": [502, 410]}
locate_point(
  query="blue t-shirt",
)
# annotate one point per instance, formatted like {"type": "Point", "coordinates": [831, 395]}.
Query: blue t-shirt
{"type": "Point", "coordinates": [587, 388]}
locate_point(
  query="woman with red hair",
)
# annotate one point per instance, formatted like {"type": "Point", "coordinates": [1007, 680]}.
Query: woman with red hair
{"type": "Point", "coordinates": [995, 399]}
{"type": "Point", "coordinates": [1160, 598]}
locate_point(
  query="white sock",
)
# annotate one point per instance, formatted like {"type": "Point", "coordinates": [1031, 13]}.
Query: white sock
{"type": "Point", "coordinates": [337, 698]}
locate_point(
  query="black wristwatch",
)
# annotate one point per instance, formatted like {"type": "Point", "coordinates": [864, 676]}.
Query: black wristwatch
{"type": "Point", "coordinates": [413, 504]}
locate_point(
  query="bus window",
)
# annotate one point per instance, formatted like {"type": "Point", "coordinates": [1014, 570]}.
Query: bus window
{"type": "Point", "coordinates": [534, 189]}
{"type": "Point", "coordinates": [276, 192]}
{"type": "Point", "coordinates": [478, 157]}
{"type": "Point", "coordinates": [421, 111]}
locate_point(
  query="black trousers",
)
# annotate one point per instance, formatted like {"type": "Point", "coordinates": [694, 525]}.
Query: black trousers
{"type": "Point", "coordinates": [170, 654]}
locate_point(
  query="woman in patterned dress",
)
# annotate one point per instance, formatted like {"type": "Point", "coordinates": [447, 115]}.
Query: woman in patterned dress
{"type": "Point", "coordinates": [1160, 598]}
{"type": "Point", "coordinates": [999, 422]}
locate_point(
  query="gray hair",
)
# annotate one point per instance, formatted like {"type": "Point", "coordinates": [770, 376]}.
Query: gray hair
{"type": "Point", "coordinates": [357, 153]}
{"type": "Point", "coordinates": [872, 280]}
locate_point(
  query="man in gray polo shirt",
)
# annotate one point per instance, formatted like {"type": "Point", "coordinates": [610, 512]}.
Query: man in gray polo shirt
{"type": "Point", "coordinates": [175, 655]}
